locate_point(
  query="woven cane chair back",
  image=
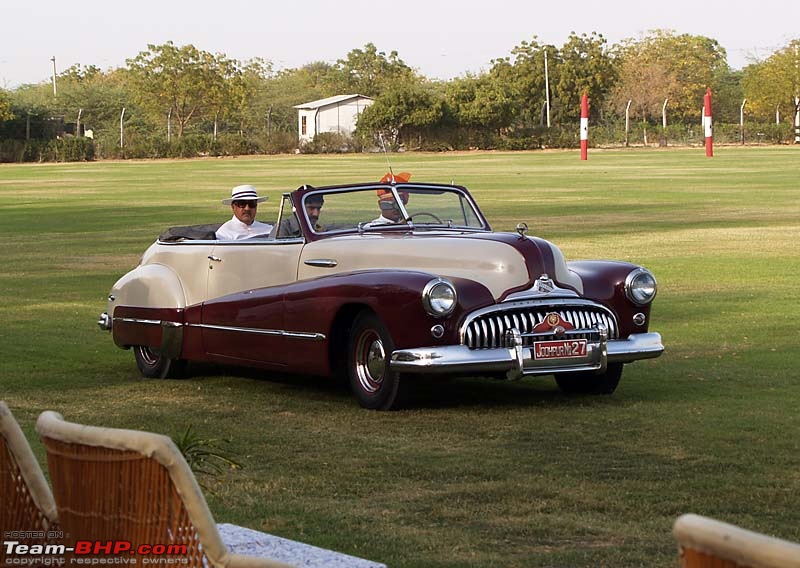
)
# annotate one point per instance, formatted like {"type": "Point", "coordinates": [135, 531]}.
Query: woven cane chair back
{"type": "Point", "coordinates": [26, 504]}
{"type": "Point", "coordinates": [123, 485]}
{"type": "Point", "coordinates": [108, 494]}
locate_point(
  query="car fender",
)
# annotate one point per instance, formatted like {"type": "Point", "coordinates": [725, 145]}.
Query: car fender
{"type": "Point", "coordinates": [149, 286]}
{"type": "Point", "coordinates": [604, 282]}
{"type": "Point", "coordinates": [143, 302]}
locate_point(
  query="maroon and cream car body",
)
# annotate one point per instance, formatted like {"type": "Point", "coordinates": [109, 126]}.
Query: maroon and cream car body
{"type": "Point", "coordinates": [383, 303]}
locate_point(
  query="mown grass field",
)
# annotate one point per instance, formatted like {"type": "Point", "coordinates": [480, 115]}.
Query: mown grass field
{"type": "Point", "coordinates": [478, 473]}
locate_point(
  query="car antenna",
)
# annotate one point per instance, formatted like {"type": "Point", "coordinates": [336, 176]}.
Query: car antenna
{"type": "Point", "coordinates": [386, 155]}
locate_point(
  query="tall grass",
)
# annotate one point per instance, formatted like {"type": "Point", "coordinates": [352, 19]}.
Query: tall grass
{"type": "Point", "coordinates": [478, 473]}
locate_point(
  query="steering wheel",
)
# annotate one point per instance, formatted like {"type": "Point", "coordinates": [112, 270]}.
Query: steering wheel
{"type": "Point", "coordinates": [426, 214]}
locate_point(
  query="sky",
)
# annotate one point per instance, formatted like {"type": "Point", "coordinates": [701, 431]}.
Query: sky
{"type": "Point", "coordinates": [440, 39]}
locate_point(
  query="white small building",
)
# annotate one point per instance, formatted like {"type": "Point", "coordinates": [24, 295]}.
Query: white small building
{"type": "Point", "coordinates": [334, 114]}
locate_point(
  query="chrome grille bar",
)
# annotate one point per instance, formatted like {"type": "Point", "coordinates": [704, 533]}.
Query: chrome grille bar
{"type": "Point", "coordinates": [488, 330]}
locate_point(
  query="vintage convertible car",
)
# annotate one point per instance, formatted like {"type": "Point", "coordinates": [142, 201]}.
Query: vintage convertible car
{"type": "Point", "coordinates": [396, 280]}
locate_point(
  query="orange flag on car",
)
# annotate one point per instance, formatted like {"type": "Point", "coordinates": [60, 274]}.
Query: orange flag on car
{"type": "Point", "coordinates": [392, 178]}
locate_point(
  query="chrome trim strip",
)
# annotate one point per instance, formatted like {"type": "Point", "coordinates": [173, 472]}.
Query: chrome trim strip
{"type": "Point", "coordinates": [534, 293]}
{"type": "Point", "coordinates": [263, 240]}
{"type": "Point", "coordinates": [192, 242]}
{"type": "Point", "coordinates": [272, 332]}
{"type": "Point", "coordinates": [139, 320]}
{"type": "Point", "coordinates": [253, 241]}
{"type": "Point", "coordinates": [321, 262]}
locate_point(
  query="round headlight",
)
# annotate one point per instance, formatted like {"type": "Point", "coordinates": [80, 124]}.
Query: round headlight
{"type": "Point", "coordinates": [439, 297]}
{"type": "Point", "coordinates": [640, 286]}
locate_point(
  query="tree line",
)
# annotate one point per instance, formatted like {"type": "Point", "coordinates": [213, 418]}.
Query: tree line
{"type": "Point", "coordinates": [174, 100]}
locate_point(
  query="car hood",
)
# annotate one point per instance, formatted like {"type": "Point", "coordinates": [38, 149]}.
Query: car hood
{"type": "Point", "coordinates": [503, 262]}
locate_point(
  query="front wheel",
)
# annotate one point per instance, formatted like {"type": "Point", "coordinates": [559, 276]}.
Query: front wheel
{"type": "Point", "coordinates": [153, 365]}
{"type": "Point", "coordinates": [591, 383]}
{"type": "Point", "coordinates": [368, 352]}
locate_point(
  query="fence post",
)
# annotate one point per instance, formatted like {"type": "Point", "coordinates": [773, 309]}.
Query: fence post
{"type": "Point", "coordinates": [741, 119]}
{"type": "Point", "coordinates": [627, 121]}
{"type": "Point", "coordinates": [121, 138]}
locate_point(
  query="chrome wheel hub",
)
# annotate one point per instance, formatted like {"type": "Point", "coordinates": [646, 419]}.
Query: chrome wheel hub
{"type": "Point", "coordinates": [370, 361]}
{"type": "Point", "coordinates": [147, 355]}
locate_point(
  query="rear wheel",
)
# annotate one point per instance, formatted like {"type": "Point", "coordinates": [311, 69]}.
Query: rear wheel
{"type": "Point", "coordinates": [368, 352]}
{"type": "Point", "coordinates": [153, 365]}
{"type": "Point", "coordinates": [591, 383]}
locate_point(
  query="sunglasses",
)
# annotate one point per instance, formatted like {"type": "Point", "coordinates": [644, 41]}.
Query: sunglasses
{"type": "Point", "coordinates": [243, 204]}
{"type": "Point", "coordinates": [388, 206]}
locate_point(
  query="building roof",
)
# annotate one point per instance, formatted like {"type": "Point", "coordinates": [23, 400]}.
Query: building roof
{"type": "Point", "coordinates": [330, 101]}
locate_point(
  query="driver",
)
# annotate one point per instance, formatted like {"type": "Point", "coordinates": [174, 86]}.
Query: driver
{"type": "Point", "coordinates": [390, 210]}
{"type": "Point", "coordinates": [290, 227]}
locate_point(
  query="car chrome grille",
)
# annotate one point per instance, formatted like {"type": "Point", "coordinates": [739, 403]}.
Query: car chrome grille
{"type": "Point", "coordinates": [488, 331]}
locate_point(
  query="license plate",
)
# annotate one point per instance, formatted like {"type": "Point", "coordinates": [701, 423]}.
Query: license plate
{"type": "Point", "coordinates": [560, 349]}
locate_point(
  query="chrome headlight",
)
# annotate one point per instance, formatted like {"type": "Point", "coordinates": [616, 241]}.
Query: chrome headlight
{"type": "Point", "coordinates": [640, 286]}
{"type": "Point", "coordinates": [439, 297]}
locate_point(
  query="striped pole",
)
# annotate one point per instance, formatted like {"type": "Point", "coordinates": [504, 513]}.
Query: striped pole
{"type": "Point", "coordinates": [707, 119]}
{"type": "Point", "coordinates": [584, 127]}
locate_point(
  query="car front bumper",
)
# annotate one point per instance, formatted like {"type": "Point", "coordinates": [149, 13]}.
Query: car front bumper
{"type": "Point", "coordinates": [518, 361]}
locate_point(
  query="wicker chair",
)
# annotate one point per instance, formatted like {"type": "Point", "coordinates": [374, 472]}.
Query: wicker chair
{"type": "Point", "coordinates": [706, 543]}
{"type": "Point", "coordinates": [26, 504]}
{"type": "Point", "coordinates": [124, 485]}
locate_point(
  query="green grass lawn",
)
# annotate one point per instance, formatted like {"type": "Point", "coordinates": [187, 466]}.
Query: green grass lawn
{"type": "Point", "coordinates": [478, 473]}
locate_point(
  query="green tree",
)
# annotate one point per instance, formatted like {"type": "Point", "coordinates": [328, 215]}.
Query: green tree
{"type": "Point", "coordinates": [184, 80]}
{"type": "Point", "coordinates": [368, 72]}
{"type": "Point", "coordinates": [99, 97]}
{"type": "Point", "coordinates": [774, 83]}
{"type": "Point", "coordinates": [479, 103]}
{"type": "Point", "coordinates": [667, 66]}
{"type": "Point", "coordinates": [403, 113]}
{"type": "Point", "coordinates": [521, 77]}
{"type": "Point", "coordinates": [5, 106]}
{"type": "Point", "coordinates": [584, 66]}
{"type": "Point", "coordinates": [646, 84]}
{"type": "Point", "coordinates": [728, 95]}
{"type": "Point", "coordinates": [227, 88]}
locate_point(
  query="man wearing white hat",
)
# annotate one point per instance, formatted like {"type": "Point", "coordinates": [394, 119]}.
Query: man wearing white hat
{"type": "Point", "coordinates": [244, 204]}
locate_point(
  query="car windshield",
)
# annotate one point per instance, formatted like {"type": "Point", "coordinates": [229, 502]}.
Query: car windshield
{"type": "Point", "coordinates": [377, 208]}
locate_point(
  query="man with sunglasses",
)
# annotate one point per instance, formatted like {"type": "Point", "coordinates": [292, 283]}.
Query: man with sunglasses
{"type": "Point", "coordinates": [243, 225]}
{"type": "Point", "coordinates": [390, 210]}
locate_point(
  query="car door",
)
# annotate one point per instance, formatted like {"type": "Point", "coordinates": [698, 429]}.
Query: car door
{"type": "Point", "coordinates": [243, 317]}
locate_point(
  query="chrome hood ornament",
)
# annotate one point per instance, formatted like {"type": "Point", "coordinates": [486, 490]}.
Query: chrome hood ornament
{"type": "Point", "coordinates": [544, 284]}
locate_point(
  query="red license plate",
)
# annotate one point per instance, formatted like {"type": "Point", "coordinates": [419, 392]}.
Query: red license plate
{"type": "Point", "coordinates": [561, 349]}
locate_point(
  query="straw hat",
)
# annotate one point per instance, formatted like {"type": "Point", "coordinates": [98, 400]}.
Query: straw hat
{"type": "Point", "coordinates": [244, 193]}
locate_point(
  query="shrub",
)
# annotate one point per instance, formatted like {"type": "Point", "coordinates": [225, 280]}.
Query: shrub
{"type": "Point", "coordinates": [328, 143]}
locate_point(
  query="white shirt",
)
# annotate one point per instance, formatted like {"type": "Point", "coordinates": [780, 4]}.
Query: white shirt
{"type": "Point", "coordinates": [235, 230]}
{"type": "Point", "coordinates": [382, 221]}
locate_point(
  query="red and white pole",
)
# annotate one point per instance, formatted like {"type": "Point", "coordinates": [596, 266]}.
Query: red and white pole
{"type": "Point", "coordinates": [584, 127]}
{"type": "Point", "coordinates": [707, 123]}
